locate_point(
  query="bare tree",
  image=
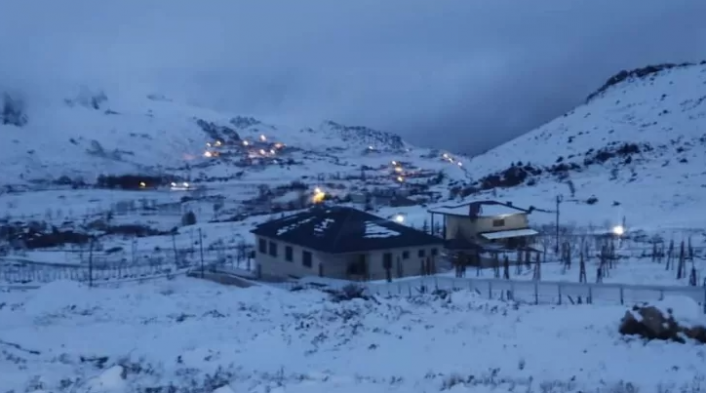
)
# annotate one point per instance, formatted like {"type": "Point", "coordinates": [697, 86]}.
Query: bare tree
{"type": "Point", "coordinates": [681, 267]}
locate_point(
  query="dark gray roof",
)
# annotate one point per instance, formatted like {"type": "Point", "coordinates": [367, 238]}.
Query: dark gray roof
{"type": "Point", "coordinates": [338, 229]}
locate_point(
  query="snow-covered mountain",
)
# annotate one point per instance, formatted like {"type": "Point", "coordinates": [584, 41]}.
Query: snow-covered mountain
{"type": "Point", "coordinates": [89, 134]}
{"type": "Point", "coordinates": [635, 149]}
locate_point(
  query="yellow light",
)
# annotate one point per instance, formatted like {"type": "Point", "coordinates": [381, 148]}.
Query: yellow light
{"type": "Point", "coordinates": [263, 138]}
{"type": "Point", "coordinates": [398, 169]}
{"type": "Point", "coordinates": [318, 196]}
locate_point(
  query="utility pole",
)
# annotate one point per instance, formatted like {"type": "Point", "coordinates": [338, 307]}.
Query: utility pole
{"type": "Point", "coordinates": [559, 199]}
{"type": "Point", "coordinates": [90, 263]}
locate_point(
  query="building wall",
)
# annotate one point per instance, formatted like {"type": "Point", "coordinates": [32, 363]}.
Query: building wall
{"type": "Point", "coordinates": [483, 224]}
{"type": "Point", "coordinates": [336, 266]}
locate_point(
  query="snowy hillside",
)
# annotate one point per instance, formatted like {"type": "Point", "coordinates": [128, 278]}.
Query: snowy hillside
{"type": "Point", "coordinates": [638, 145]}
{"type": "Point", "coordinates": [91, 133]}
{"type": "Point", "coordinates": [193, 336]}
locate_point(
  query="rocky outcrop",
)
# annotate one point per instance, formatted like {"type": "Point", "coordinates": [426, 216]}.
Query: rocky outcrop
{"type": "Point", "coordinates": [653, 323]}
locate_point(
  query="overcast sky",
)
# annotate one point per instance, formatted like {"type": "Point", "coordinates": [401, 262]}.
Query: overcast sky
{"type": "Point", "coordinates": [456, 74]}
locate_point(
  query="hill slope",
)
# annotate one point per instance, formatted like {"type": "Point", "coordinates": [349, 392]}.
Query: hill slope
{"type": "Point", "coordinates": [634, 150]}
{"type": "Point", "coordinates": [91, 133]}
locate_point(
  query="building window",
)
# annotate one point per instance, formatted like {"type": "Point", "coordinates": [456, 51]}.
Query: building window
{"type": "Point", "coordinates": [499, 223]}
{"type": "Point", "coordinates": [405, 254]}
{"type": "Point", "coordinates": [262, 246]}
{"type": "Point", "coordinates": [288, 254]}
{"type": "Point", "coordinates": [273, 249]}
{"type": "Point", "coordinates": [421, 253]}
{"type": "Point", "coordinates": [434, 252]}
{"type": "Point", "coordinates": [306, 258]}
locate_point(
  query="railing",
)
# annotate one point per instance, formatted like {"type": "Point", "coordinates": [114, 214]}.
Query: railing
{"type": "Point", "coordinates": [538, 292]}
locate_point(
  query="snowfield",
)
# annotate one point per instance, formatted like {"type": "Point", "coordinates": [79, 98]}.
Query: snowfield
{"type": "Point", "coordinates": [187, 335]}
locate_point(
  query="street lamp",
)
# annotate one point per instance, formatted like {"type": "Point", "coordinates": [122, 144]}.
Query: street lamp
{"type": "Point", "coordinates": [618, 230]}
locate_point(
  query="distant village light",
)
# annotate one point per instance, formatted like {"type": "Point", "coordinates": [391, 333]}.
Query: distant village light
{"type": "Point", "coordinates": [272, 151]}
{"type": "Point", "coordinates": [398, 169]}
{"type": "Point", "coordinates": [371, 147]}
{"type": "Point", "coordinates": [618, 230]}
{"type": "Point", "coordinates": [400, 179]}
{"type": "Point", "coordinates": [318, 196]}
{"type": "Point", "coordinates": [394, 163]}
{"type": "Point", "coordinates": [185, 184]}
{"type": "Point", "coordinates": [278, 145]}
{"type": "Point", "coordinates": [262, 152]}
{"type": "Point", "coordinates": [218, 143]}
{"type": "Point", "coordinates": [399, 218]}
{"type": "Point", "coordinates": [263, 138]}
{"type": "Point", "coordinates": [460, 163]}
{"type": "Point", "coordinates": [245, 143]}
{"type": "Point", "coordinates": [208, 144]}
{"type": "Point", "coordinates": [208, 154]}
{"type": "Point", "coordinates": [142, 184]}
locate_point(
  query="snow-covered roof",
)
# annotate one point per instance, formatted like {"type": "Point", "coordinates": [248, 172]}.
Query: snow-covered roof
{"type": "Point", "coordinates": [339, 229]}
{"type": "Point", "coordinates": [480, 209]}
{"type": "Point", "coordinates": [509, 234]}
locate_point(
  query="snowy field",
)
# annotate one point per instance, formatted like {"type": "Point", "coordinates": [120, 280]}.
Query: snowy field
{"type": "Point", "coordinates": [197, 337]}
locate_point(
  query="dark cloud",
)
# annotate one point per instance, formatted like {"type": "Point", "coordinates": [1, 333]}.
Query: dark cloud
{"type": "Point", "coordinates": [457, 74]}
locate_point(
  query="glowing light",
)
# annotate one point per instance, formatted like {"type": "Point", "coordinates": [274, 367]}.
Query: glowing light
{"type": "Point", "coordinates": [394, 163]}
{"type": "Point", "coordinates": [272, 151]}
{"type": "Point", "coordinates": [445, 155]}
{"type": "Point", "coordinates": [245, 143]}
{"type": "Point", "coordinates": [400, 179]}
{"type": "Point", "coordinates": [460, 163]}
{"type": "Point", "coordinates": [142, 184]}
{"type": "Point", "coordinates": [263, 138]}
{"type": "Point", "coordinates": [318, 196]}
{"type": "Point", "coordinates": [618, 230]}
{"type": "Point", "coordinates": [208, 144]}
{"type": "Point", "coordinates": [185, 184]}
{"type": "Point", "coordinates": [218, 143]}
{"type": "Point", "coordinates": [399, 218]}
{"type": "Point", "coordinates": [371, 148]}
{"type": "Point", "coordinates": [398, 169]}
{"type": "Point", "coordinates": [262, 152]}
{"type": "Point", "coordinates": [173, 184]}
{"type": "Point", "coordinates": [279, 145]}
{"type": "Point", "coordinates": [208, 154]}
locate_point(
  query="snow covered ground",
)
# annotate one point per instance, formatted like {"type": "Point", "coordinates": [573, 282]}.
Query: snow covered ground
{"type": "Point", "coordinates": [198, 337]}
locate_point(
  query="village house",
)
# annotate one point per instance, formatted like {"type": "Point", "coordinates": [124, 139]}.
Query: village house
{"type": "Point", "coordinates": [485, 227]}
{"type": "Point", "coordinates": [342, 243]}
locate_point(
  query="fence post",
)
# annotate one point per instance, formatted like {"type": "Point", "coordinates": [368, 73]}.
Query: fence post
{"type": "Point", "coordinates": [512, 290]}
{"type": "Point", "coordinates": [590, 294]}
{"type": "Point", "coordinates": [490, 289]}
{"type": "Point", "coordinates": [661, 294]}
{"type": "Point", "coordinates": [558, 286]}
{"type": "Point", "coordinates": [201, 251]}
{"type": "Point", "coordinates": [704, 300]}
{"type": "Point", "coordinates": [90, 264]}
{"type": "Point", "coordinates": [536, 292]}
{"type": "Point", "coordinates": [622, 298]}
